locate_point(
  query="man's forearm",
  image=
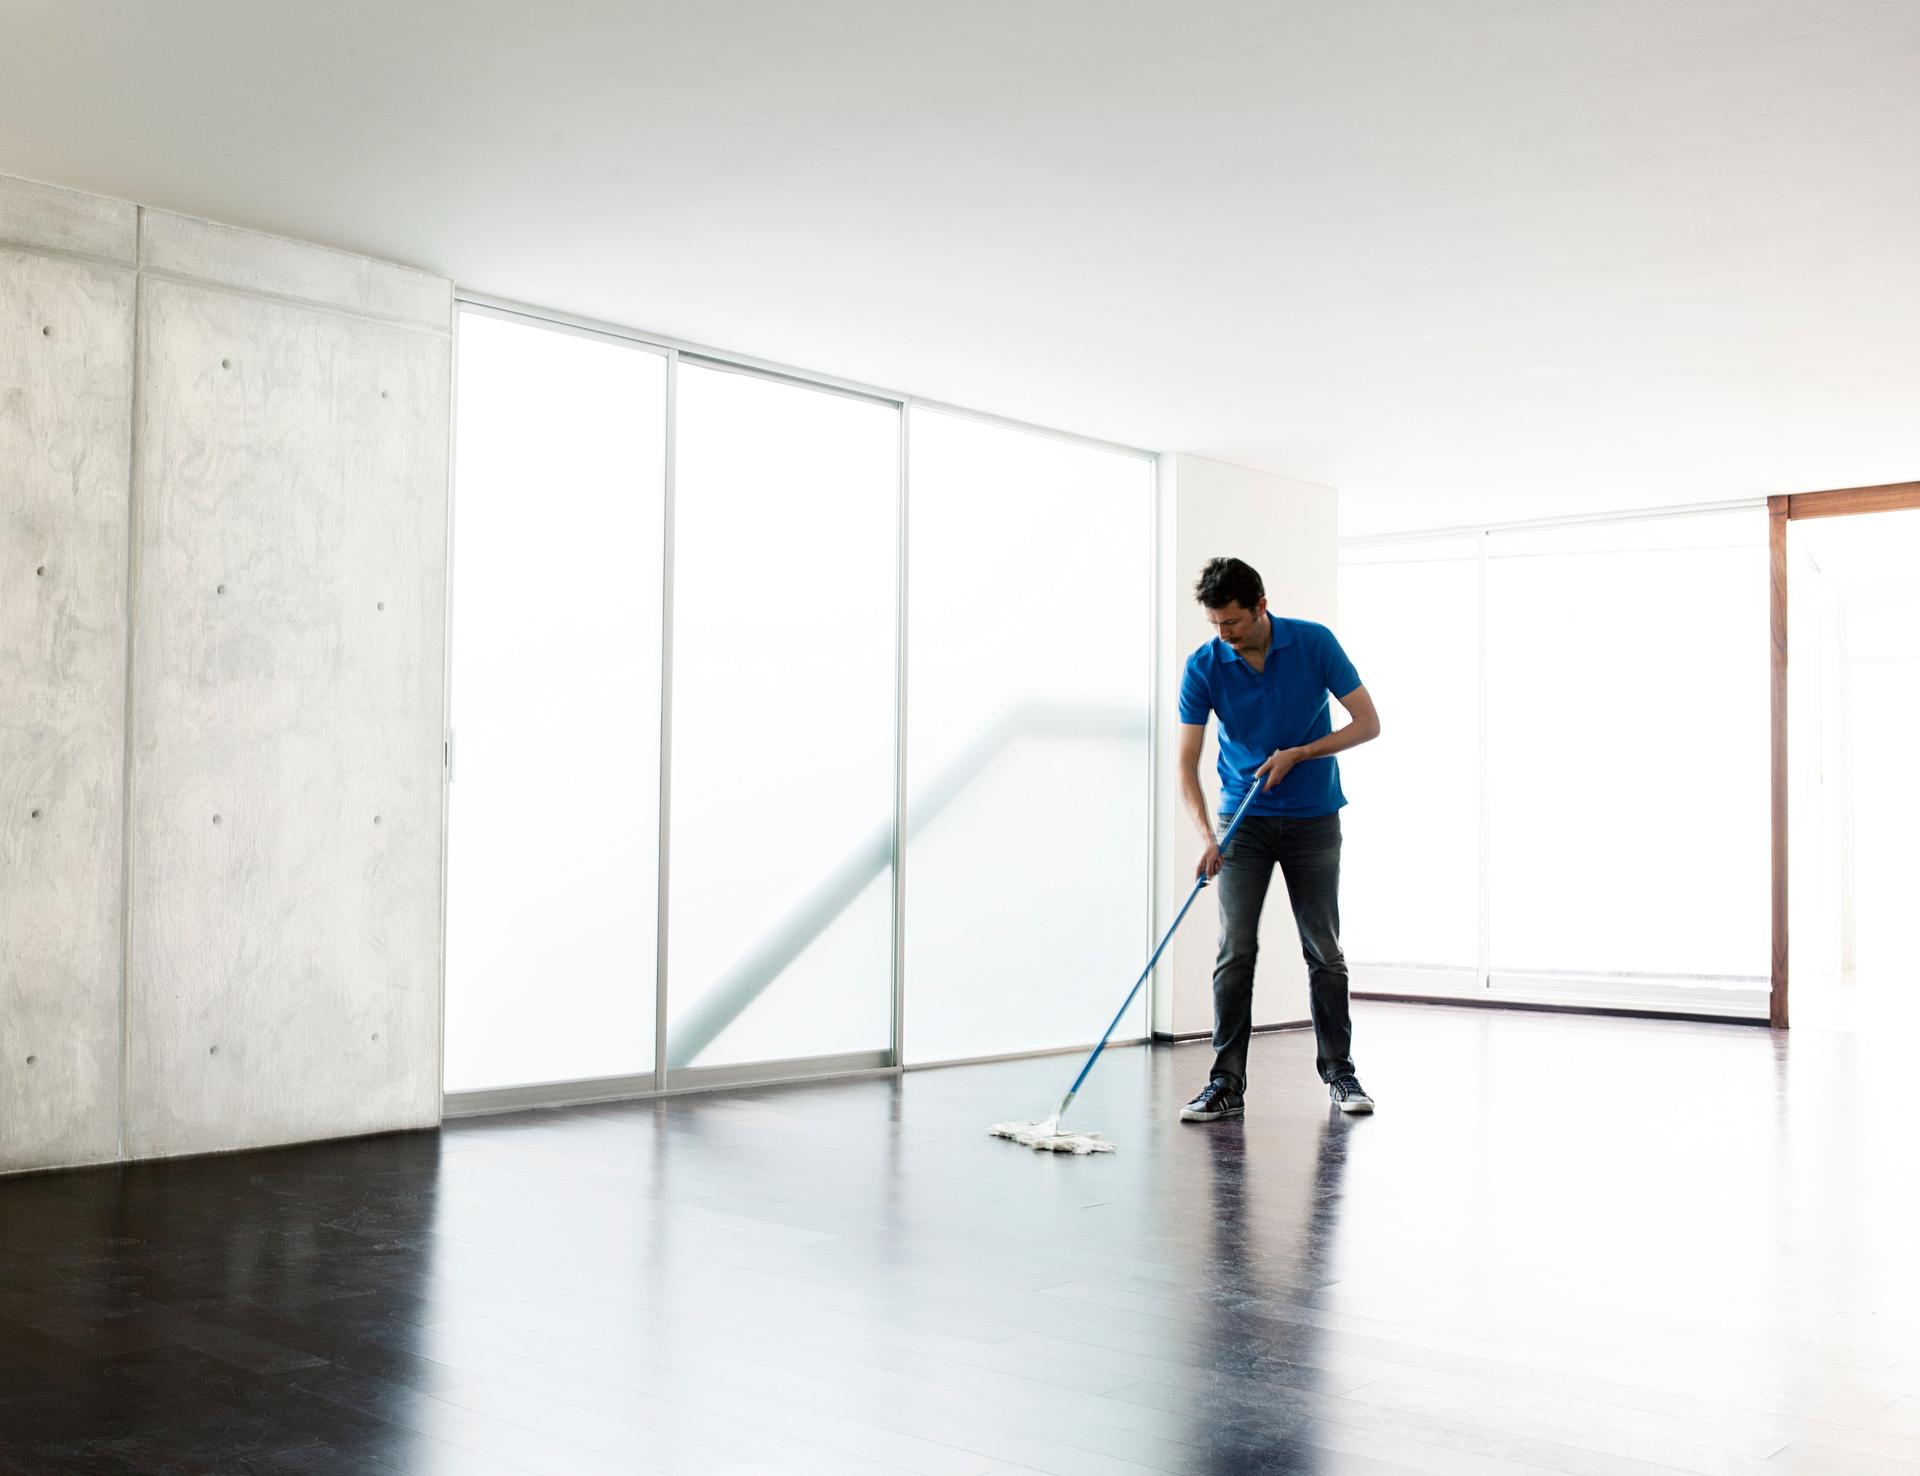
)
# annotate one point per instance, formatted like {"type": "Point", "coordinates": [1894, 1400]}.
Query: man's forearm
{"type": "Point", "coordinates": [1351, 736]}
{"type": "Point", "coordinates": [1196, 801]}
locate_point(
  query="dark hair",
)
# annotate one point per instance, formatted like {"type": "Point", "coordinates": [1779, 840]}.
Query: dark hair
{"type": "Point", "coordinates": [1228, 582]}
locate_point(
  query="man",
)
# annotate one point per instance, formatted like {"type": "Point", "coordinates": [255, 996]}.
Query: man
{"type": "Point", "coordinates": [1267, 679]}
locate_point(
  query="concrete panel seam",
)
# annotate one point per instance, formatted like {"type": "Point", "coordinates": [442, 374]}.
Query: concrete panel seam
{"type": "Point", "coordinates": [214, 284]}
{"type": "Point", "coordinates": [38, 216]}
{"type": "Point", "coordinates": [58, 253]}
{"type": "Point", "coordinates": [250, 260]}
{"type": "Point", "coordinates": [126, 713]}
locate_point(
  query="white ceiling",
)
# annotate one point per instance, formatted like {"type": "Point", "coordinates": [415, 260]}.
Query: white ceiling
{"type": "Point", "coordinates": [1459, 258]}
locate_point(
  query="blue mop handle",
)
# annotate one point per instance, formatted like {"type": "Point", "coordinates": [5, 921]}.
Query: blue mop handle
{"type": "Point", "coordinates": [1200, 882]}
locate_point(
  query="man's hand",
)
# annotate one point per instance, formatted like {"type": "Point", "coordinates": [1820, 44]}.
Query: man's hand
{"type": "Point", "coordinates": [1277, 767]}
{"type": "Point", "coordinates": [1209, 862]}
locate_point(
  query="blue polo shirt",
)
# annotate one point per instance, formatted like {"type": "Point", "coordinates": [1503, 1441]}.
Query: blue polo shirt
{"type": "Point", "coordinates": [1282, 706]}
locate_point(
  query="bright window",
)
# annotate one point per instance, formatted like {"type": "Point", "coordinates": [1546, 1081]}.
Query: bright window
{"type": "Point", "coordinates": [1618, 839]}
{"type": "Point", "coordinates": [1027, 739]}
{"type": "Point", "coordinates": [785, 595]}
{"type": "Point", "coordinates": [1627, 743]}
{"type": "Point", "coordinates": [1029, 783]}
{"type": "Point", "coordinates": [553, 816]}
{"type": "Point", "coordinates": [1410, 620]}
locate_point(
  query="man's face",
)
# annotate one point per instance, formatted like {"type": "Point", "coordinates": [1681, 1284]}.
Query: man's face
{"type": "Point", "coordinates": [1238, 626]}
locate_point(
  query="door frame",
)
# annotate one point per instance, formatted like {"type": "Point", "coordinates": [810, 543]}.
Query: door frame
{"type": "Point", "coordinates": [1781, 510]}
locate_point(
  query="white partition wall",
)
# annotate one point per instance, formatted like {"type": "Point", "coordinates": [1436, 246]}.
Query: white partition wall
{"type": "Point", "coordinates": [1029, 780]}
{"type": "Point", "coordinates": [554, 852]}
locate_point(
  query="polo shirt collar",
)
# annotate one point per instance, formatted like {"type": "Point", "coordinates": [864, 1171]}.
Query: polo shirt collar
{"type": "Point", "coordinates": [1280, 636]}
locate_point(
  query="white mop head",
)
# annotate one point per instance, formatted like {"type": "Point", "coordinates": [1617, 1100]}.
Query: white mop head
{"type": "Point", "coordinates": [1045, 1136]}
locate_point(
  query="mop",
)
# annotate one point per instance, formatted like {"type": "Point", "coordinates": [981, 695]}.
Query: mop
{"type": "Point", "coordinates": [1045, 1134]}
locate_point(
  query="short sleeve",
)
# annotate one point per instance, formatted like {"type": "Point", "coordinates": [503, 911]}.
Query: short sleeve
{"type": "Point", "coordinates": [1196, 702]}
{"type": "Point", "coordinates": [1337, 670]}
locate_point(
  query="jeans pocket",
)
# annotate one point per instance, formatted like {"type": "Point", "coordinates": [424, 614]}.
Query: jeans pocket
{"type": "Point", "coordinates": [1316, 833]}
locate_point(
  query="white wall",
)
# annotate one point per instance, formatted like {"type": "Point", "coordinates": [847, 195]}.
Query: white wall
{"type": "Point", "coordinates": [1289, 531]}
{"type": "Point", "coordinates": [234, 450]}
{"type": "Point", "coordinates": [1878, 655]}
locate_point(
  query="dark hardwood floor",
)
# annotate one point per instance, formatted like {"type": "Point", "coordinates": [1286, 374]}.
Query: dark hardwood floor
{"type": "Point", "coordinates": [1577, 1245]}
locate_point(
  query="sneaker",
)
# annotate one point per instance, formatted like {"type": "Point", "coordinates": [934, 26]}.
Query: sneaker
{"type": "Point", "coordinates": [1216, 1100]}
{"type": "Point", "coordinates": [1349, 1095]}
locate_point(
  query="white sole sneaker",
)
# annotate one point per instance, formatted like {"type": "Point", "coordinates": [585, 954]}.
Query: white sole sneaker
{"type": "Point", "coordinates": [1356, 1104]}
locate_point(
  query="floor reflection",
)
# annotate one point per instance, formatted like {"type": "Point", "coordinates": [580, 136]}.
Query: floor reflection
{"type": "Point", "coordinates": [1273, 1211]}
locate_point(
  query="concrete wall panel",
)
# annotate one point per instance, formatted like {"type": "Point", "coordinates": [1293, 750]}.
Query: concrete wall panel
{"type": "Point", "coordinates": [290, 539]}
{"type": "Point", "coordinates": [66, 340]}
{"type": "Point", "coordinates": [49, 219]}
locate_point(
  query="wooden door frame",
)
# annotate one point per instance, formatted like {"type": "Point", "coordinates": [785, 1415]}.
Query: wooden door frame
{"type": "Point", "coordinates": [1841, 502]}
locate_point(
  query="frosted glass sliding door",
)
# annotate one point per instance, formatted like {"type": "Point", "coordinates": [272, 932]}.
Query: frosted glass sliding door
{"type": "Point", "coordinates": [1410, 891]}
{"type": "Point", "coordinates": [552, 826]}
{"type": "Point", "coordinates": [1029, 783]}
{"type": "Point", "coordinates": [1627, 692]}
{"type": "Point", "coordinates": [780, 934]}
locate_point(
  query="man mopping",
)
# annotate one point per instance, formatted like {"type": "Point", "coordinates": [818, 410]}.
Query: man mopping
{"type": "Point", "coordinates": [1267, 679]}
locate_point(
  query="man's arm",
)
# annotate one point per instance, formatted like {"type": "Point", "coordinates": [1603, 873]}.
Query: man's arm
{"type": "Point", "coordinates": [1192, 737]}
{"type": "Point", "coordinates": [1364, 727]}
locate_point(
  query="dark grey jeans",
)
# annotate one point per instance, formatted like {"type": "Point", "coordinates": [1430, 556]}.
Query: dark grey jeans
{"type": "Point", "coordinates": [1307, 851]}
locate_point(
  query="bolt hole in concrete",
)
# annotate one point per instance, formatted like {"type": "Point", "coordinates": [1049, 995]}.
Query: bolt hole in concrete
{"type": "Point", "coordinates": [32, 1059]}
{"type": "Point", "coordinates": [36, 814]}
{"type": "Point", "coordinates": [376, 819]}
{"type": "Point", "coordinates": [41, 571]}
{"type": "Point", "coordinates": [226, 363]}
{"type": "Point", "coordinates": [219, 589]}
{"type": "Point", "coordinates": [376, 1035]}
{"type": "Point", "coordinates": [46, 333]}
{"type": "Point", "coordinates": [213, 1050]}
{"type": "Point", "coordinates": [381, 606]}
{"type": "Point", "coordinates": [216, 819]}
